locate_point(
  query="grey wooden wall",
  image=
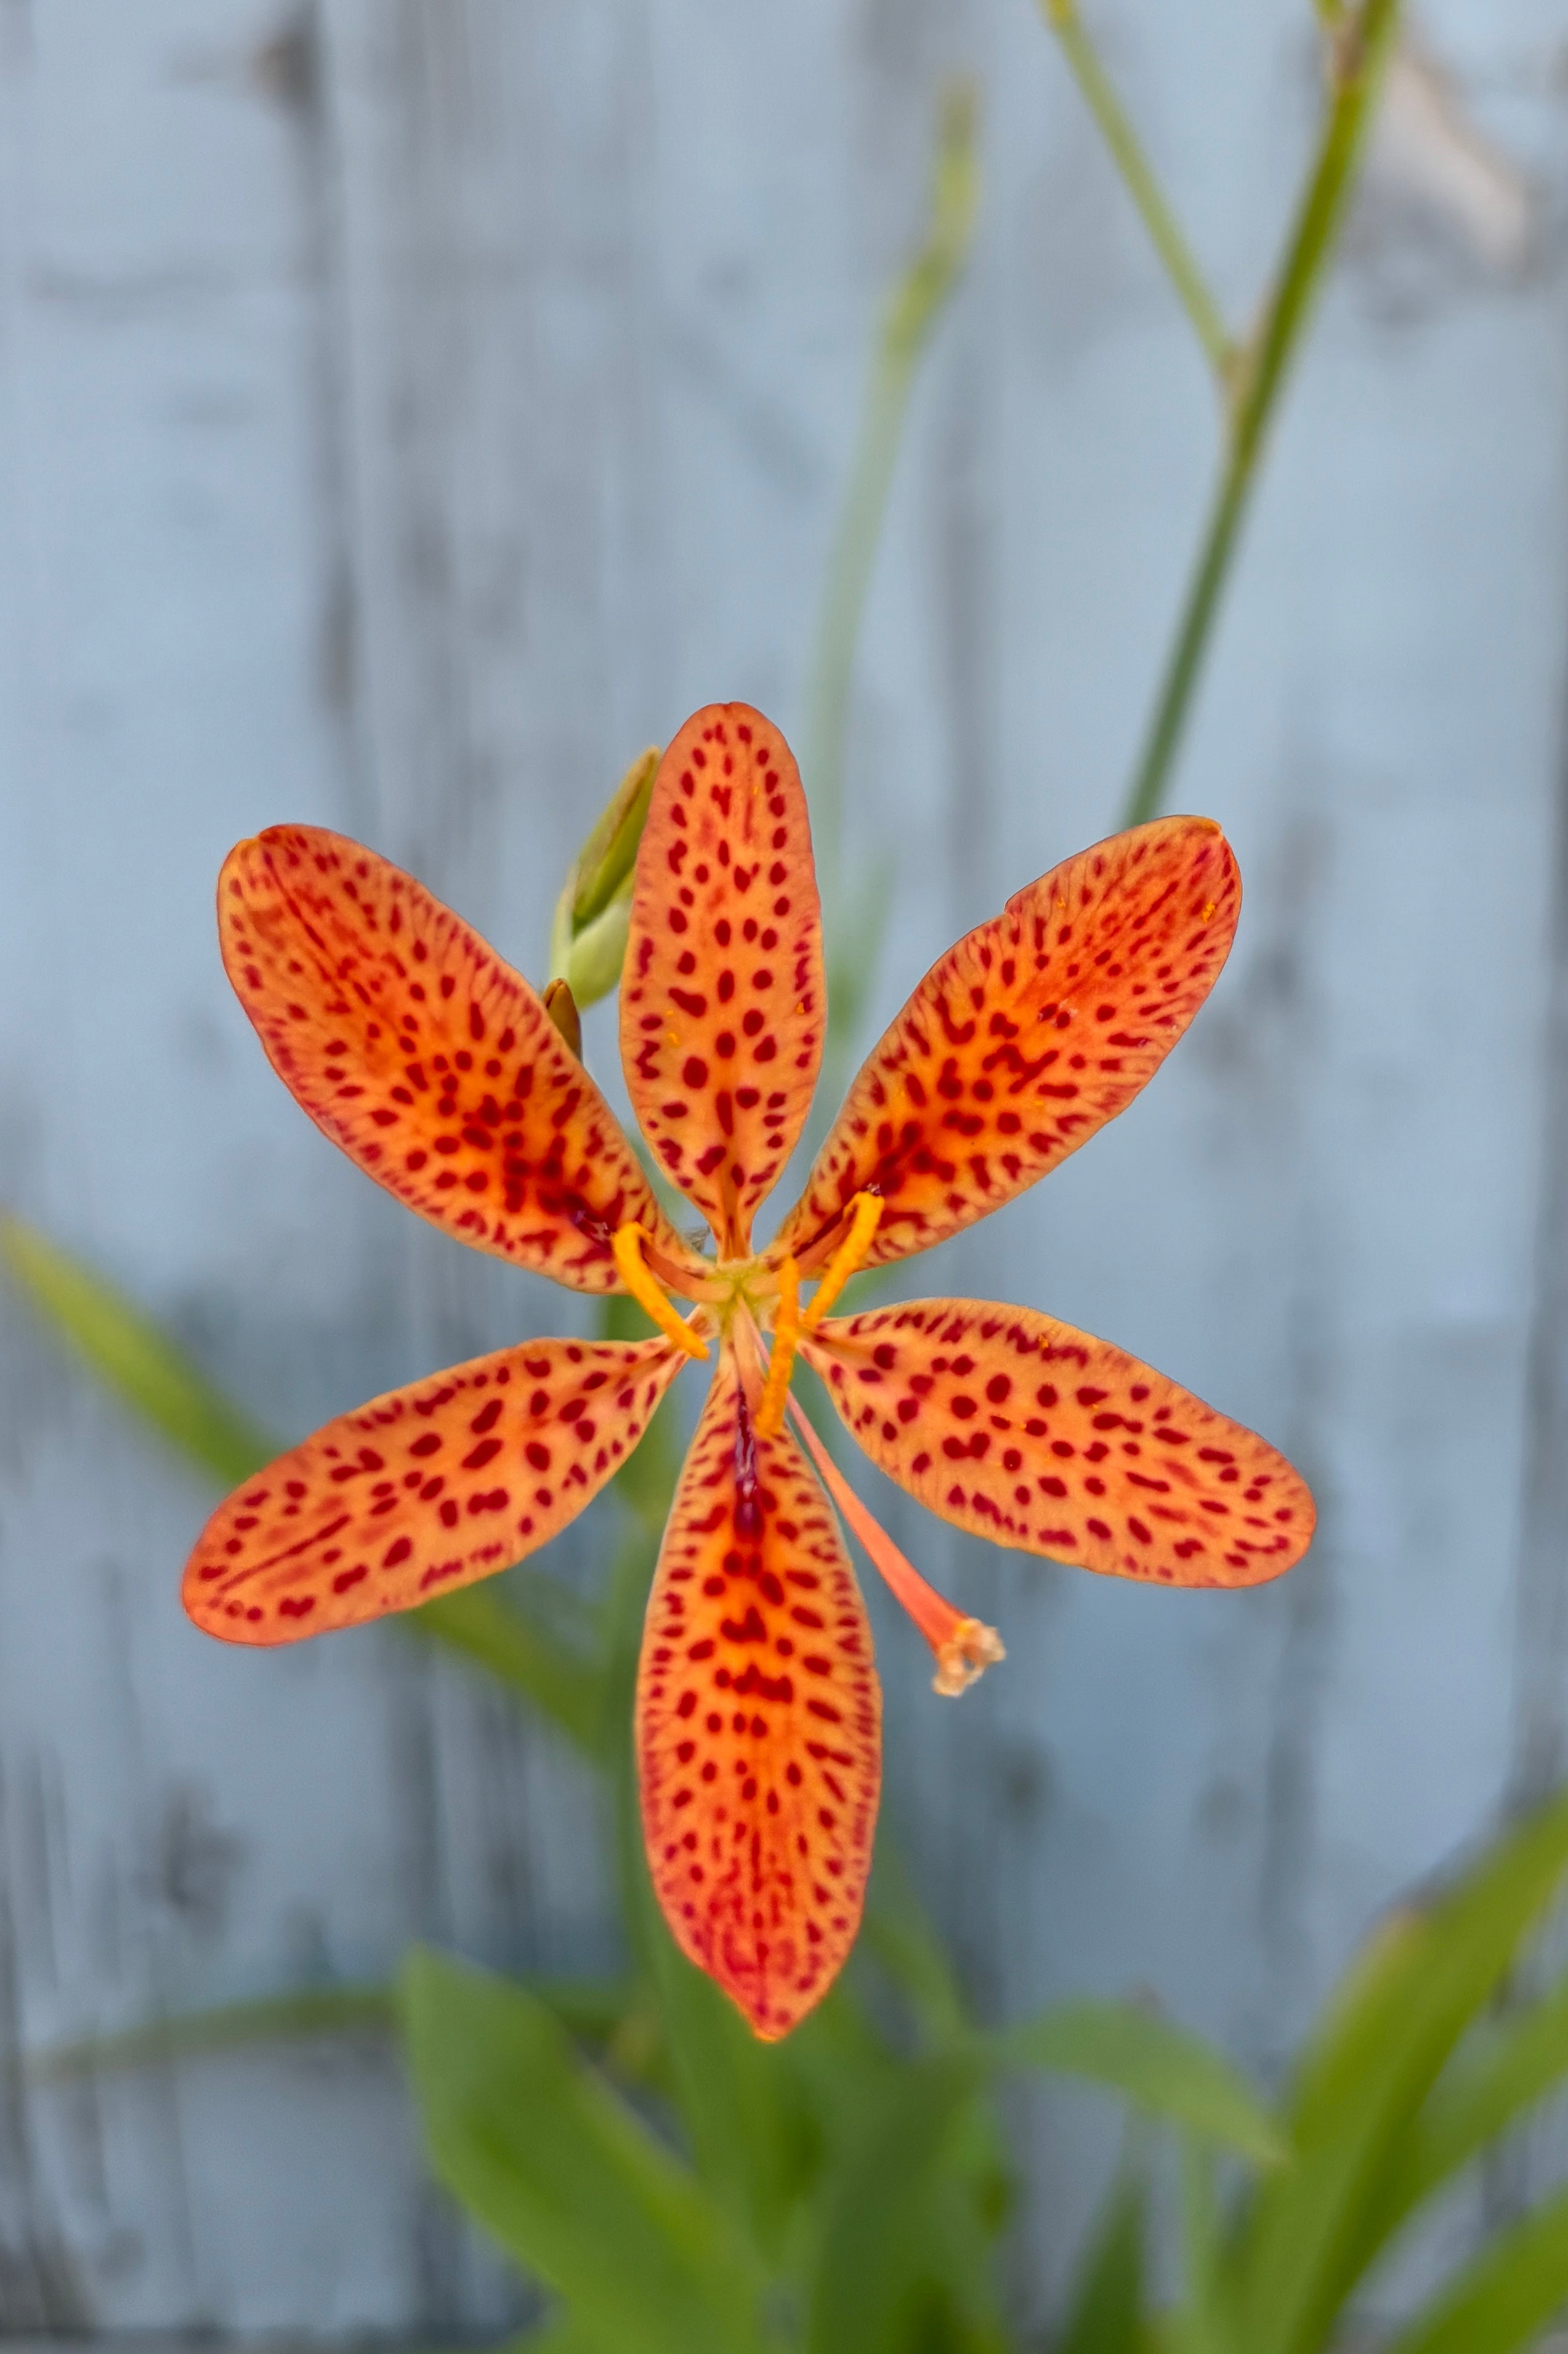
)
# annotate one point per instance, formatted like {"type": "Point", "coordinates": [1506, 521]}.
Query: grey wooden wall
{"type": "Point", "coordinates": [408, 410]}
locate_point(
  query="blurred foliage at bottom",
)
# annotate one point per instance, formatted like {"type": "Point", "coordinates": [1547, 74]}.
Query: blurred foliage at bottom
{"type": "Point", "coordinates": [675, 2187]}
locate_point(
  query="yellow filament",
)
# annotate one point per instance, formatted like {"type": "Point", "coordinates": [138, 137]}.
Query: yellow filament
{"type": "Point", "coordinates": [786, 1336]}
{"type": "Point", "coordinates": [627, 1246]}
{"type": "Point", "coordinates": [867, 1208]}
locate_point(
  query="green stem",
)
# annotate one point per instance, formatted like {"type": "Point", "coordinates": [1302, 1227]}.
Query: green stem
{"type": "Point", "coordinates": [1173, 247]}
{"type": "Point", "coordinates": [912, 309]}
{"type": "Point", "coordinates": [1359, 51]}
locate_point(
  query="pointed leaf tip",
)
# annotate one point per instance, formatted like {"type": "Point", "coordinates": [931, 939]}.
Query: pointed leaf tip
{"type": "Point", "coordinates": [1160, 2067]}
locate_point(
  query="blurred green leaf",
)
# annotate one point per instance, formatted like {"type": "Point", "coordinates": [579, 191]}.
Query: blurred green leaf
{"type": "Point", "coordinates": [1207, 2323]}
{"type": "Point", "coordinates": [135, 1356]}
{"type": "Point", "coordinates": [1338, 2052]}
{"type": "Point", "coordinates": [844, 2064]}
{"type": "Point", "coordinates": [875, 2271]}
{"type": "Point", "coordinates": [151, 1373]}
{"type": "Point", "coordinates": [859, 936]}
{"type": "Point", "coordinates": [898, 1932]}
{"type": "Point", "coordinates": [1163, 2069]}
{"type": "Point", "coordinates": [591, 2009]}
{"type": "Point", "coordinates": [520, 1649]}
{"type": "Point", "coordinates": [1106, 2309]}
{"type": "Point", "coordinates": [624, 1606]}
{"type": "Point", "coordinates": [566, 2176]}
{"type": "Point", "coordinates": [562, 2333]}
{"type": "Point", "coordinates": [740, 2099]}
{"type": "Point", "coordinates": [913, 306]}
{"type": "Point", "coordinates": [227, 2027]}
{"type": "Point", "coordinates": [1514, 2287]}
{"type": "Point", "coordinates": [1316, 2226]}
{"type": "Point", "coordinates": [1481, 2093]}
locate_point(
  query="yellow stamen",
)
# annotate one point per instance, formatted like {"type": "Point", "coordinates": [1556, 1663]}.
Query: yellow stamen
{"type": "Point", "coordinates": [627, 1246]}
{"type": "Point", "coordinates": [866, 1218]}
{"type": "Point", "coordinates": [785, 1337]}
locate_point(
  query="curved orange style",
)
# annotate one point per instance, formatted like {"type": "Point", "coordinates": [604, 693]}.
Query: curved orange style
{"type": "Point", "coordinates": [436, 1068]}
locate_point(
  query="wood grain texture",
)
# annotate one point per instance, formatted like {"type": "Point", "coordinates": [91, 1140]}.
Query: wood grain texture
{"type": "Point", "coordinates": [405, 418]}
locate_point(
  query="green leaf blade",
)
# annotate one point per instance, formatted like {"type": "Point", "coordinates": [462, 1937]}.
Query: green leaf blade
{"type": "Point", "coordinates": [1511, 2291]}
{"type": "Point", "coordinates": [523, 1652]}
{"type": "Point", "coordinates": [563, 2174]}
{"type": "Point", "coordinates": [1521, 2062]}
{"type": "Point", "coordinates": [1161, 2068]}
{"type": "Point", "coordinates": [742, 2106]}
{"type": "Point", "coordinates": [223, 2027]}
{"type": "Point", "coordinates": [1106, 2313]}
{"type": "Point", "coordinates": [876, 2265]}
{"type": "Point", "coordinates": [134, 1357]}
{"type": "Point", "coordinates": [1315, 2227]}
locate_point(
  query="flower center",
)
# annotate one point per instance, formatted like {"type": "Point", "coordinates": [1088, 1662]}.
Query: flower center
{"type": "Point", "coordinates": [770, 1295]}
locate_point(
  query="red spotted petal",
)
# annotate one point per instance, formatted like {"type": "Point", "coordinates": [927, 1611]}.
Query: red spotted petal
{"type": "Point", "coordinates": [1037, 1435]}
{"type": "Point", "coordinates": [424, 1490]}
{"type": "Point", "coordinates": [759, 1722]}
{"type": "Point", "coordinates": [721, 1001]}
{"type": "Point", "coordinates": [1028, 1036]}
{"type": "Point", "coordinates": [429, 1060]}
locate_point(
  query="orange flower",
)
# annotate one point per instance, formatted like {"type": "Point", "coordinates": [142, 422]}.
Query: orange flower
{"type": "Point", "coordinates": [436, 1070]}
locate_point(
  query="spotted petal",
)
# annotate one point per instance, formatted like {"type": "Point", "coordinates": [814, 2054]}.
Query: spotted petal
{"type": "Point", "coordinates": [759, 1722]}
{"type": "Point", "coordinates": [1036, 1436]}
{"type": "Point", "coordinates": [429, 1060]}
{"type": "Point", "coordinates": [1028, 1036]}
{"type": "Point", "coordinates": [720, 1000]}
{"type": "Point", "coordinates": [424, 1490]}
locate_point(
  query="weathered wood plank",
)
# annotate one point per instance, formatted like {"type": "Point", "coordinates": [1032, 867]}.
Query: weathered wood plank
{"type": "Point", "coordinates": [410, 408]}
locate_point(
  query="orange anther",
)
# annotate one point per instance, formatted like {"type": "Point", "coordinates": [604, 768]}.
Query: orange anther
{"type": "Point", "coordinates": [786, 1339]}
{"type": "Point", "coordinates": [626, 1246]}
{"type": "Point", "coordinates": [866, 1217]}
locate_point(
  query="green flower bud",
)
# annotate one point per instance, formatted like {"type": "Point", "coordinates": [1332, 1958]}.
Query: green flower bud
{"type": "Point", "coordinates": [587, 942]}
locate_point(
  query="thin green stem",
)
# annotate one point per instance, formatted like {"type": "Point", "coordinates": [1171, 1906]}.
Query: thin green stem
{"type": "Point", "coordinates": [912, 309]}
{"type": "Point", "coordinates": [1173, 247]}
{"type": "Point", "coordinates": [1359, 51]}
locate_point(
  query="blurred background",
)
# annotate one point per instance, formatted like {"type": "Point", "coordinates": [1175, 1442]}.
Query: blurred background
{"type": "Point", "coordinates": [408, 409]}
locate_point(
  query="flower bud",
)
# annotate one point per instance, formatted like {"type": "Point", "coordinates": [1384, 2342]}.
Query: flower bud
{"type": "Point", "coordinates": [588, 944]}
